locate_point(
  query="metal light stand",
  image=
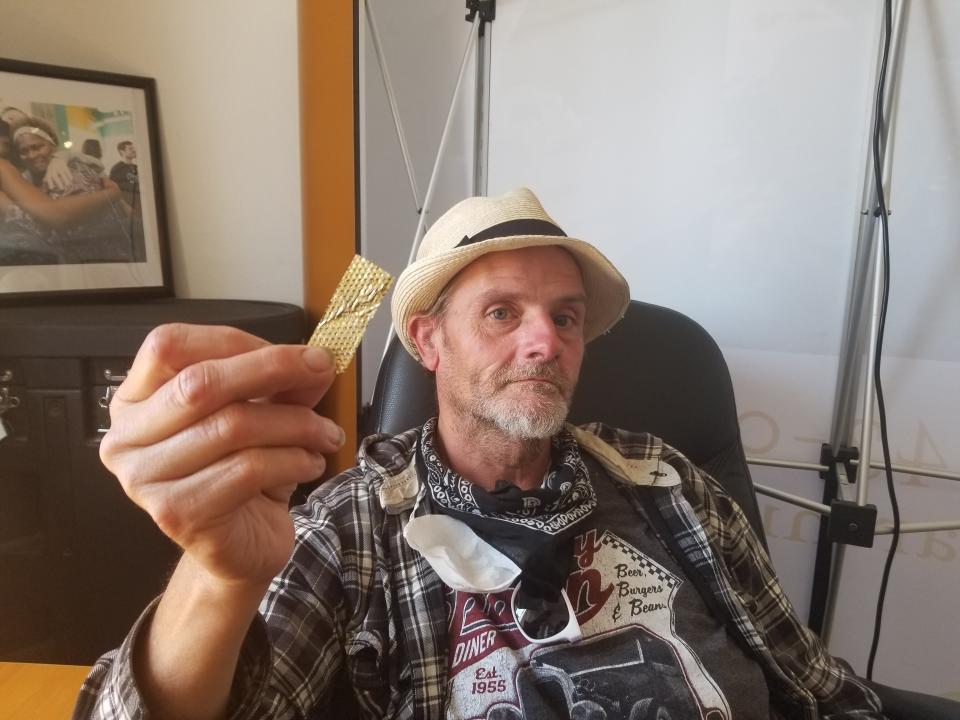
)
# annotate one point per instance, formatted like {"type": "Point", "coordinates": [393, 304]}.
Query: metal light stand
{"type": "Point", "coordinates": [846, 521]}
{"type": "Point", "coordinates": [868, 257]}
{"type": "Point", "coordinates": [486, 10]}
{"type": "Point", "coordinates": [480, 13]}
{"type": "Point", "coordinates": [394, 112]}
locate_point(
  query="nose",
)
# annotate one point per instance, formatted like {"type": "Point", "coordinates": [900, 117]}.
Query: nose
{"type": "Point", "coordinates": [540, 338]}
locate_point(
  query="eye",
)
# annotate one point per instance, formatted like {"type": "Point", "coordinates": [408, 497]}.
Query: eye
{"type": "Point", "coordinates": [498, 313]}
{"type": "Point", "coordinates": [565, 321]}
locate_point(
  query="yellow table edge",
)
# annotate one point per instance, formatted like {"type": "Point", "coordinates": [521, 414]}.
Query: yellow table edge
{"type": "Point", "coordinates": [35, 691]}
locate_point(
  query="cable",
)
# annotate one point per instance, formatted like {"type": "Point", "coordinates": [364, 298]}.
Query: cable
{"type": "Point", "coordinates": [881, 409]}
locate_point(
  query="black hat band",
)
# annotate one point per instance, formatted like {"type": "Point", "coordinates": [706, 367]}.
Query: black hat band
{"type": "Point", "coordinates": [511, 228]}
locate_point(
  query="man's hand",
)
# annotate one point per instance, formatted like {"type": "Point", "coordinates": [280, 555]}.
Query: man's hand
{"type": "Point", "coordinates": [210, 434]}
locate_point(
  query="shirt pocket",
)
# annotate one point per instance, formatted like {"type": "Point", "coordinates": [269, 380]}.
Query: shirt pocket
{"type": "Point", "coordinates": [365, 661]}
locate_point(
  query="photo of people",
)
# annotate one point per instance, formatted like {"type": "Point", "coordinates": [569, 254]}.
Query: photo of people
{"type": "Point", "coordinates": [69, 186]}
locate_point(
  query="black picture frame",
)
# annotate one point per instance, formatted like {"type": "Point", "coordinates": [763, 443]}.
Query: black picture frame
{"type": "Point", "coordinates": [94, 226]}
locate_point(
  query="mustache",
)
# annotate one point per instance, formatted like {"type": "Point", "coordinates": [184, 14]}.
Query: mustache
{"type": "Point", "coordinates": [548, 371]}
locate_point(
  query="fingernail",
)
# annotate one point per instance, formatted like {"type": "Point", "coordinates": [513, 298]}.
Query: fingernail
{"type": "Point", "coordinates": [318, 359]}
{"type": "Point", "coordinates": [337, 436]}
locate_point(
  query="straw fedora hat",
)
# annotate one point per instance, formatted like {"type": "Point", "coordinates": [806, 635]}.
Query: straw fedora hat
{"type": "Point", "coordinates": [480, 225]}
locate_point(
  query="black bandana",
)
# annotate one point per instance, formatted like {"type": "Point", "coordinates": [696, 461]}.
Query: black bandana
{"type": "Point", "coordinates": [532, 527]}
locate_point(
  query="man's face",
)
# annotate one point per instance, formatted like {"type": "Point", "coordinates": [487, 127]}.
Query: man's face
{"type": "Point", "coordinates": [35, 152]}
{"type": "Point", "coordinates": [129, 153]}
{"type": "Point", "coordinates": [510, 343]}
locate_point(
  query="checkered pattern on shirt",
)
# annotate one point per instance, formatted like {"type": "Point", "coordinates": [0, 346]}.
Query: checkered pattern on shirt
{"type": "Point", "coordinates": [641, 560]}
{"type": "Point", "coordinates": [357, 611]}
{"type": "Point", "coordinates": [711, 531]}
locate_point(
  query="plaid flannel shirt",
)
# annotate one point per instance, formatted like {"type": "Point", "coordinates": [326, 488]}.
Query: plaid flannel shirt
{"type": "Point", "coordinates": [355, 626]}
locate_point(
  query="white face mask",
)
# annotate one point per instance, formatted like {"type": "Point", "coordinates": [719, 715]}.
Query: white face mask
{"type": "Point", "coordinates": [458, 555]}
{"type": "Point", "coordinates": [466, 562]}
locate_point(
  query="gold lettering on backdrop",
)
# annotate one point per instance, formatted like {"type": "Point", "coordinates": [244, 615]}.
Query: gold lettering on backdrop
{"type": "Point", "coordinates": [768, 510]}
{"type": "Point", "coordinates": [772, 513]}
{"type": "Point", "coordinates": [940, 546]}
{"type": "Point", "coordinates": [772, 427]}
{"type": "Point", "coordinates": [883, 541]}
{"type": "Point", "coordinates": [798, 517]}
{"type": "Point", "coordinates": [804, 528]}
{"type": "Point", "coordinates": [924, 439]}
{"type": "Point", "coordinates": [934, 548]}
{"type": "Point", "coordinates": [815, 441]}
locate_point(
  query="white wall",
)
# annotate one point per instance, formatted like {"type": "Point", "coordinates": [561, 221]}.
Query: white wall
{"type": "Point", "coordinates": [229, 124]}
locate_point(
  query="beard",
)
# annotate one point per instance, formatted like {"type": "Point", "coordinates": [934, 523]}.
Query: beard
{"type": "Point", "coordinates": [538, 413]}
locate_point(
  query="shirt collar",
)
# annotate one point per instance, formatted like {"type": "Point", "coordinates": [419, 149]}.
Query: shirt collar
{"type": "Point", "coordinates": [393, 459]}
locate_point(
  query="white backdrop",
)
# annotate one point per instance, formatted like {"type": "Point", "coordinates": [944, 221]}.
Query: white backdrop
{"type": "Point", "coordinates": [714, 150]}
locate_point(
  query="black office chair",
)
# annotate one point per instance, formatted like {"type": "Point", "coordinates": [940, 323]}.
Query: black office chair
{"type": "Point", "coordinates": [656, 371]}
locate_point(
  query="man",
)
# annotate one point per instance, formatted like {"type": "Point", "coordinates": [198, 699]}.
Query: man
{"type": "Point", "coordinates": [124, 171]}
{"type": "Point", "coordinates": [494, 563]}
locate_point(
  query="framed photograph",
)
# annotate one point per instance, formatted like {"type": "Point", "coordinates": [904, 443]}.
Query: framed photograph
{"type": "Point", "coordinates": [81, 188]}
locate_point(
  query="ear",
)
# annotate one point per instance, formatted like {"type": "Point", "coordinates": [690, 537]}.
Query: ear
{"type": "Point", "coordinates": [424, 330]}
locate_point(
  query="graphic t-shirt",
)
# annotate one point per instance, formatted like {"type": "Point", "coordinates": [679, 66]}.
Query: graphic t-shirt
{"type": "Point", "coordinates": [650, 647]}
{"type": "Point", "coordinates": [124, 174]}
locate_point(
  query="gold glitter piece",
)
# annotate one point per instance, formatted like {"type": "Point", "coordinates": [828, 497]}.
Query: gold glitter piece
{"type": "Point", "coordinates": [357, 297]}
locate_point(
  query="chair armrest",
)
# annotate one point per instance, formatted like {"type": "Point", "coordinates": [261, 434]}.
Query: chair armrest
{"type": "Point", "coordinates": [907, 705]}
